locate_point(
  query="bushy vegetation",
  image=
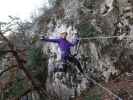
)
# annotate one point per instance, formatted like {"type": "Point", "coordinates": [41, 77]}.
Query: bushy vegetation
{"type": "Point", "coordinates": [87, 30]}
{"type": "Point", "coordinates": [90, 4]}
{"type": "Point", "coordinates": [37, 64]}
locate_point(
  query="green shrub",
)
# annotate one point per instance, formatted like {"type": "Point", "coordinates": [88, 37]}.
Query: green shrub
{"type": "Point", "coordinates": [90, 4]}
{"type": "Point", "coordinates": [87, 30]}
{"type": "Point", "coordinates": [37, 64]}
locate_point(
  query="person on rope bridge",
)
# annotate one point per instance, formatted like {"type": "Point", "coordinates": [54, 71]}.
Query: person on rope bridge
{"type": "Point", "coordinates": [65, 47]}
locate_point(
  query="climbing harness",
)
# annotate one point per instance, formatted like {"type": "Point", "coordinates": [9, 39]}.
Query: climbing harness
{"type": "Point", "coordinates": [78, 45]}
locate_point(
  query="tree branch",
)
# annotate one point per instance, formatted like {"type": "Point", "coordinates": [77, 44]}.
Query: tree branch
{"type": "Point", "coordinates": [6, 51]}
{"type": "Point", "coordinates": [8, 69]}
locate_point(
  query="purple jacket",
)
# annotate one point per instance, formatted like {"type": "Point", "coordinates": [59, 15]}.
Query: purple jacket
{"type": "Point", "coordinates": [64, 46]}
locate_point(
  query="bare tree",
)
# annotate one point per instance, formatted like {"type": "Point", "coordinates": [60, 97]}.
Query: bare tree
{"type": "Point", "coordinates": [16, 54]}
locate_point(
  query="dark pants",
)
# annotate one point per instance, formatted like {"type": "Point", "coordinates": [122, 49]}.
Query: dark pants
{"type": "Point", "coordinates": [72, 59]}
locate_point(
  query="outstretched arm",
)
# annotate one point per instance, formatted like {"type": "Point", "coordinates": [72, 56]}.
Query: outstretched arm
{"type": "Point", "coordinates": [50, 40]}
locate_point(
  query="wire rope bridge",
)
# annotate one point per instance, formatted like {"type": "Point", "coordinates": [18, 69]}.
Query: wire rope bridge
{"type": "Point", "coordinates": [91, 79]}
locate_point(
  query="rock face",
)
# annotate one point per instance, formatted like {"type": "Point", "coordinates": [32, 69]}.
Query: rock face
{"type": "Point", "coordinates": [90, 18]}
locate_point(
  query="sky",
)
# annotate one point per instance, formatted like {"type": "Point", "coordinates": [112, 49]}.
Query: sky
{"type": "Point", "coordinates": [20, 8]}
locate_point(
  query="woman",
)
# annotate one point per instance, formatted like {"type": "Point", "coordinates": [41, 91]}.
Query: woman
{"type": "Point", "coordinates": [65, 47]}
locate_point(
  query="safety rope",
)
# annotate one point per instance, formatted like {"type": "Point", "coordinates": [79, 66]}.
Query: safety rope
{"type": "Point", "coordinates": [106, 37]}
